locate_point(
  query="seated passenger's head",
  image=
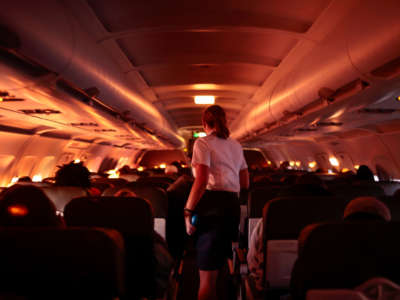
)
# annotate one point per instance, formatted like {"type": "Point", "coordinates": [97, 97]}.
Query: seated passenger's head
{"type": "Point", "coordinates": [366, 209]}
{"type": "Point", "coordinates": [26, 205]}
{"type": "Point", "coordinates": [25, 179]}
{"type": "Point", "coordinates": [125, 193]}
{"type": "Point", "coordinates": [365, 173]}
{"type": "Point", "coordinates": [171, 170]}
{"type": "Point", "coordinates": [73, 174]}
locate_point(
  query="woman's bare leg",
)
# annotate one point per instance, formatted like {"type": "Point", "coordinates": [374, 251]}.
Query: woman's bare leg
{"type": "Point", "coordinates": [208, 285]}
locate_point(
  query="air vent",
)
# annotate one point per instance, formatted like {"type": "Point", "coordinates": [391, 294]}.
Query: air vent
{"type": "Point", "coordinates": [328, 124]}
{"type": "Point", "coordinates": [377, 110]}
{"type": "Point", "coordinates": [105, 130]}
{"type": "Point", "coordinates": [39, 111]}
{"type": "Point", "coordinates": [85, 124]}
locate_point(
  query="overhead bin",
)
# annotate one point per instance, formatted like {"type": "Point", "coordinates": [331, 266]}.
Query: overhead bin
{"type": "Point", "coordinates": [343, 63]}
{"type": "Point", "coordinates": [56, 40]}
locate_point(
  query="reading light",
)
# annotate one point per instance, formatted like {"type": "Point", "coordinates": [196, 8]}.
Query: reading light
{"type": "Point", "coordinates": [292, 163]}
{"type": "Point", "coordinates": [37, 178]}
{"type": "Point", "coordinates": [163, 166]}
{"type": "Point", "coordinates": [398, 98]}
{"type": "Point", "coordinates": [312, 164]}
{"type": "Point", "coordinates": [17, 210]}
{"type": "Point", "coordinates": [77, 161]}
{"type": "Point", "coordinates": [269, 162]}
{"type": "Point", "coordinates": [204, 99]}
{"type": "Point", "coordinates": [356, 167]}
{"type": "Point", "coordinates": [140, 169]}
{"type": "Point", "coordinates": [334, 162]}
{"type": "Point", "coordinates": [185, 149]}
{"type": "Point", "coordinates": [113, 173]}
{"type": "Point", "coordinates": [344, 170]}
{"type": "Point", "coordinates": [298, 163]}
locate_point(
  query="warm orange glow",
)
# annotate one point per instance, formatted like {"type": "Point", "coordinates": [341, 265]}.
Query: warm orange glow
{"type": "Point", "coordinates": [113, 173]}
{"type": "Point", "coordinates": [155, 167]}
{"type": "Point", "coordinates": [163, 166]}
{"type": "Point", "coordinates": [77, 161]}
{"type": "Point", "coordinates": [344, 170]}
{"type": "Point", "coordinates": [292, 163]}
{"type": "Point", "coordinates": [356, 167]}
{"type": "Point", "coordinates": [204, 99]}
{"type": "Point", "coordinates": [37, 178]}
{"type": "Point", "coordinates": [1, 99]}
{"type": "Point", "coordinates": [18, 210]}
{"type": "Point", "coordinates": [204, 86]}
{"type": "Point", "coordinates": [269, 162]}
{"type": "Point", "coordinates": [183, 166]}
{"type": "Point", "coordinates": [298, 163]}
{"type": "Point", "coordinates": [140, 169]}
{"type": "Point", "coordinates": [312, 164]}
{"type": "Point", "coordinates": [334, 162]}
{"type": "Point", "coordinates": [398, 98]}
{"type": "Point", "coordinates": [185, 150]}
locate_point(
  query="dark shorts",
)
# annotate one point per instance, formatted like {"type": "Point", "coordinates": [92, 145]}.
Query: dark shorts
{"type": "Point", "coordinates": [219, 215]}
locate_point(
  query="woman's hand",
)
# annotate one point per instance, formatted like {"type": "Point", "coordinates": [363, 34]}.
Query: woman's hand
{"type": "Point", "coordinates": [190, 229]}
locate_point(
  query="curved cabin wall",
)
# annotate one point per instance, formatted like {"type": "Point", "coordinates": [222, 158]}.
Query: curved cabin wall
{"type": "Point", "coordinates": [30, 155]}
{"type": "Point", "coordinates": [58, 42]}
{"type": "Point", "coordinates": [368, 38]}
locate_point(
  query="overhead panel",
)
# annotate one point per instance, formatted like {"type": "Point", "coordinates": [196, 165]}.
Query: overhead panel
{"type": "Point", "coordinates": [233, 45]}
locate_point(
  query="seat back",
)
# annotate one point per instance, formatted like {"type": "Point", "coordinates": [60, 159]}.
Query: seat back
{"type": "Point", "coordinates": [157, 181]}
{"type": "Point", "coordinates": [344, 255]}
{"type": "Point", "coordinates": [133, 218]}
{"type": "Point", "coordinates": [50, 263]}
{"type": "Point", "coordinates": [61, 195]}
{"type": "Point", "coordinates": [283, 220]}
{"type": "Point", "coordinates": [156, 196]}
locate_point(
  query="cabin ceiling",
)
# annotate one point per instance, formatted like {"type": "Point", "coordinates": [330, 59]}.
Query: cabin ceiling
{"type": "Point", "coordinates": [174, 50]}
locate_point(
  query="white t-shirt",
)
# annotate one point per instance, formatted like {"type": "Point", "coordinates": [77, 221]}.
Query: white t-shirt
{"type": "Point", "coordinates": [225, 159]}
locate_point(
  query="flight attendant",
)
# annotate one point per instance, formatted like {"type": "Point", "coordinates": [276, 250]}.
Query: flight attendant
{"type": "Point", "coordinates": [220, 172]}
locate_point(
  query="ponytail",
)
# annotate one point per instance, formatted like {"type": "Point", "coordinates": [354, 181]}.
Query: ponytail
{"type": "Point", "coordinates": [214, 117]}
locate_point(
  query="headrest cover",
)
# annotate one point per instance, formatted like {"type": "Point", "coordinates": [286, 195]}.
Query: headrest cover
{"type": "Point", "coordinates": [369, 205]}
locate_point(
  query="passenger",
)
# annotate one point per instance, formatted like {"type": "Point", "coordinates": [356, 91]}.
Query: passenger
{"type": "Point", "coordinates": [76, 174]}
{"type": "Point", "coordinates": [220, 173]}
{"type": "Point", "coordinates": [255, 257]}
{"type": "Point", "coordinates": [25, 179]}
{"type": "Point", "coordinates": [27, 205]}
{"type": "Point", "coordinates": [366, 209]}
{"type": "Point", "coordinates": [365, 174]}
{"type": "Point", "coordinates": [171, 171]}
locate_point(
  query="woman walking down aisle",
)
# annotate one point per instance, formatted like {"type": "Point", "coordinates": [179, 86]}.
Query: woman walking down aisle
{"type": "Point", "coordinates": [220, 172]}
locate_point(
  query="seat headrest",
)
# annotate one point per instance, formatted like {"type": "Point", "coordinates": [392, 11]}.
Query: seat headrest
{"type": "Point", "coordinates": [61, 195]}
{"type": "Point", "coordinates": [61, 262]}
{"type": "Point", "coordinates": [129, 215]}
{"type": "Point", "coordinates": [285, 217]}
{"type": "Point", "coordinates": [344, 255]}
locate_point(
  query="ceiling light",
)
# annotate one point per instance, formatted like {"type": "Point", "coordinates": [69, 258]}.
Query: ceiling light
{"type": "Point", "coordinates": [204, 99]}
{"type": "Point", "coordinates": [398, 98]}
{"type": "Point", "coordinates": [334, 162]}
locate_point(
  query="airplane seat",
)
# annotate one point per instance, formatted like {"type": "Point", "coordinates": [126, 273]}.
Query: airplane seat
{"type": "Point", "coordinates": [156, 196]}
{"type": "Point", "coordinates": [158, 181]}
{"type": "Point", "coordinates": [283, 220]}
{"type": "Point", "coordinates": [178, 193]}
{"type": "Point", "coordinates": [75, 263]}
{"type": "Point", "coordinates": [393, 204]}
{"type": "Point", "coordinates": [357, 190]}
{"type": "Point", "coordinates": [389, 187]}
{"type": "Point", "coordinates": [133, 218]}
{"type": "Point", "coordinates": [376, 288]}
{"type": "Point", "coordinates": [61, 195]}
{"type": "Point", "coordinates": [344, 255]}
{"type": "Point", "coordinates": [257, 199]}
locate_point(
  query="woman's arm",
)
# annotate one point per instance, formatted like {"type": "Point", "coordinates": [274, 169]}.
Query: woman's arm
{"type": "Point", "coordinates": [197, 191]}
